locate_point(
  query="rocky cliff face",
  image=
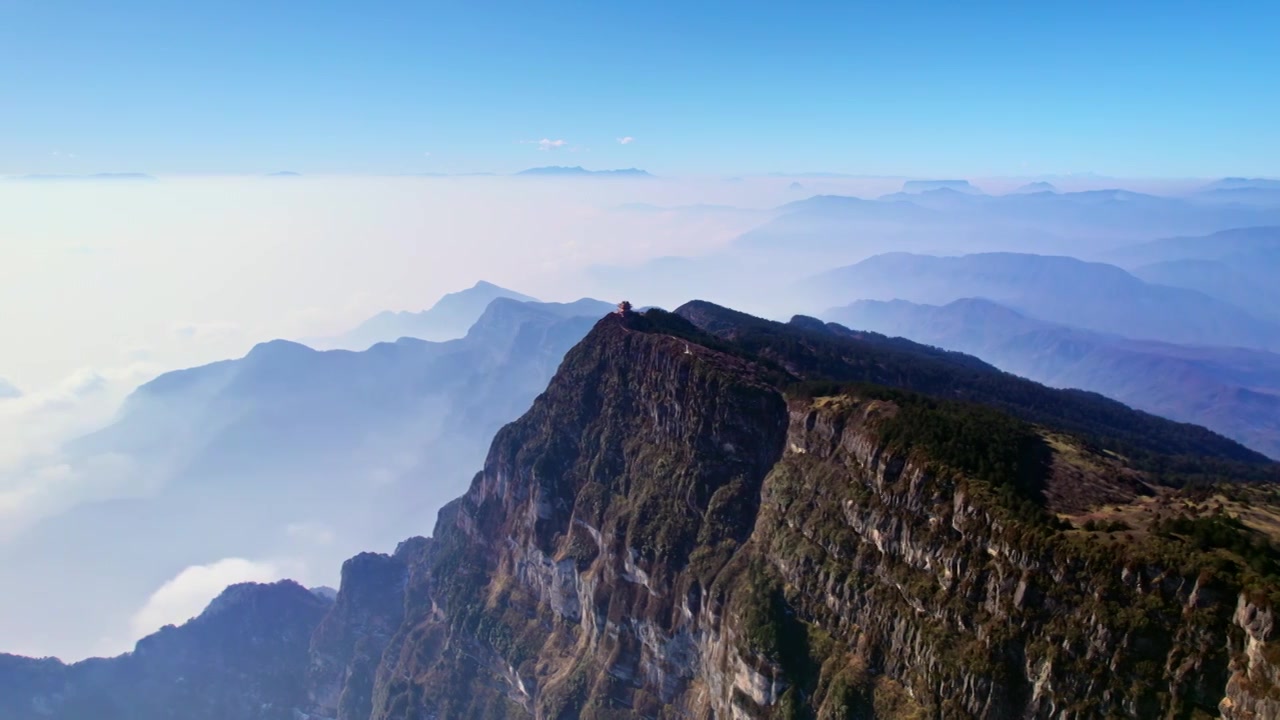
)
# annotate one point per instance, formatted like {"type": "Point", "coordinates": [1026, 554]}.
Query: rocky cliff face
{"type": "Point", "coordinates": [666, 534]}
{"type": "Point", "coordinates": [560, 579]}
{"type": "Point", "coordinates": [976, 614]}
{"type": "Point", "coordinates": [348, 644]}
{"type": "Point", "coordinates": [681, 526]}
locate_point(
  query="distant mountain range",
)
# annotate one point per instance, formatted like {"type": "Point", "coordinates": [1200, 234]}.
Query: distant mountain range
{"type": "Point", "coordinates": [284, 452]}
{"type": "Point", "coordinates": [1239, 266]}
{"type": "Point", "coordinates": [1250, 286]}
{"type": "Point", "coordinates": [918, 186]}
{"type": "Point", "coordinates": [1232, 391]}
{"type": "Point", "coordinates": [1258, 197]}
{"type": "Point", "coordinates": [1226, 245]}
{"type": "Point", "coordinates": [800, 238]}
{"type": "Point", "coordinates": [559, 170]}
{"type": "Point", "coordinates": [449, 318]}
{"type": "Point", "coordinates": [1091, 296]}
{"type": "Point", "coordinates": [8, 390]}
{"type": "Point", "coordinates": [1037, 187]}
{"type": "Point", "coordinates": [936, 199]}
{"type": "Point", "coordinates": [1240, 191]}
{"type": "Point", "coordinates": [945, 220]}
{"type": "Point", "coordinates": [1241, 183]}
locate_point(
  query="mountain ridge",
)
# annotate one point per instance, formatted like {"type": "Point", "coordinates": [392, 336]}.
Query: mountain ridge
{"type": "Point", "coordinates": [1089, 295]}
{"type": "Point", "coordinates": [357, 445]}
{"type": "Point", "coordinates": [717, 515]}
{"type": "Point", "coordinates": [1234, 391]}
{"type": "Point", "coordinates": [254, 637]}
{"type": "Point", "coordinates": [1036, 187]}
{"type": "Point", "coordinates": [449, 317]}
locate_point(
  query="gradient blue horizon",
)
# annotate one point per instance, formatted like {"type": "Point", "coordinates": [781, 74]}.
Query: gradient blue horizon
{"type": "Point", "coordinates": [1134, 89]}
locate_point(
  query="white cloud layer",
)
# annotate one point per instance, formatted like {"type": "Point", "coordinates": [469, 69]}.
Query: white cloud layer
{"type": "Point", "coordinates": [194, 270]}
{"type": "Point", "coordinates": [187, 594]}
{"type": "Point", "coordinates": [37, 423]}
{"type": "Point", "coordinates": [36, 478]}
{"type": "Point", "coordinates": [626, 140]}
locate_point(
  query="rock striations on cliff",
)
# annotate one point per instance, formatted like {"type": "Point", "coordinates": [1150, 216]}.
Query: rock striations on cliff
{"type": "Point", "coordinates": [707, 515]}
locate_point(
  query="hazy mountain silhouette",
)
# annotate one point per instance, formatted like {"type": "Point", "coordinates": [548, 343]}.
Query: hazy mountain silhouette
{"type": "Point", "coordinates": [1247, 191]}
{"type": "Point", "coordinates": [1092, 296]}
{"type": "Point", "coordinates": [820, 232]}
{"type": "Point", "coordinates": [1233, 391]}
{"type": "Point", "coordinates": [449, 318]}
{"type": "Point", "coordinates": [1036, 187]}
{"type": "Point", "coordinates": [1250, 286]}
{"type": "Point", "coordinates": [1226, 245]}
{"type": "Point", "coordinates": [8, 390]}
{"type": "Point", "coordinates": [916, 186]}
{"type": "Point", "coordinates": [284, 452]}
{"type": "Point", "coordinates": [1261, 197]}
{"type": "Point", "coordinates": [942, 199]}
{"type": "Point", "coordinates": [835, 230]}
{"type": "Point", "coordinates": [1241, 183]}
{"type": "Point", "coordinates": [1239, 266]}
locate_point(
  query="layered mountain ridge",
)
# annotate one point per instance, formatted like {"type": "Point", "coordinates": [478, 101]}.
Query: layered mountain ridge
{"type": "Point", "coordinates": [1059, 289]}
{"type": "Point", "coordinates": [448, 318]}
{"type": "Point", "coordinates": [1234, 391]}
{"type": "Point", "coordinates": [709, 515]}
{"type": "Point", "coordinates": [284, 453]}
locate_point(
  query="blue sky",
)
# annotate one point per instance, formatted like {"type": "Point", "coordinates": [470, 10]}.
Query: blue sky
{"type": "Point", "coordinates": [1133, 89]}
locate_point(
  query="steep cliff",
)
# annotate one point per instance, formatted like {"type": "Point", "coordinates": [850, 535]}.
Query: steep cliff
{"type": "Point", "coordinates": [707, 515]}
{"type": "Point", "coordinates": [677, 529]}
{"type": "Point", "coordinates": [561, 577]}
{"type": "Point", "coordinates": [348, 644]}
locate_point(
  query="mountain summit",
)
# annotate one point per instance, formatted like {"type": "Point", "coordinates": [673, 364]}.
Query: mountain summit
{"type": "Point", "coordinates": [919, 186]}
{"type": "Point", "coordinates": [1036, 187]}
{"type": "Point", "coordinates": [447, 319]}
{"type": "Point", "coordinates": [711, 515]}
